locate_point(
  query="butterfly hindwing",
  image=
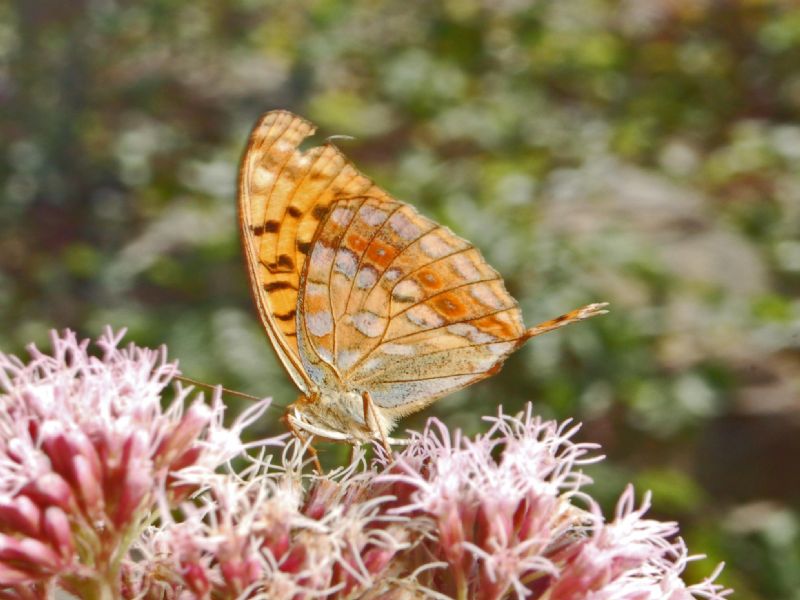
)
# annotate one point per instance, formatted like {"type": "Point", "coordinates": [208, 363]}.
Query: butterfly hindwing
{"type": "Point", "coordinates": [397, 305]}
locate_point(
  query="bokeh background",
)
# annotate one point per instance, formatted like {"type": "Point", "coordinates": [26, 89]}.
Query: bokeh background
{"type": "Point", "coordinates": [643, 152]}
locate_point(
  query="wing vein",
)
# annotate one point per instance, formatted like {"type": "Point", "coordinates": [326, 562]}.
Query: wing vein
{"type": "Point", "coordinates": [395, 257]}
{"type": "Point", "coordinates": [446, 351]}
{"type": "Point", "coordinates": [364, 253]}
{"type": "Point", "coordinates": [330, 272]}
{"type": "Point", "coordinates": [445, 291]}
{"type": "Point", "coordinates": [433, 262]}
{"type": "Point", "coordinates": [406, 335]}
{"type": "Point", "coordinates": [278, 174]}
{"type": "Point", "coordinates": [470, 373]}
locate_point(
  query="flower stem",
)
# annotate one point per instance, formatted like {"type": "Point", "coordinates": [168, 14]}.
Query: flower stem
{"type": "Point", "coordinates": [462, 588]}
{"type": "Point", "coordinates": [106, 591]}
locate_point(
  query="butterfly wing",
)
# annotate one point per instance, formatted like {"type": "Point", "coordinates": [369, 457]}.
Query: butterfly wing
{"type": "Point", "coordinates": [399, 306]}
{"type": "Point", "coordinates": [283, 195]}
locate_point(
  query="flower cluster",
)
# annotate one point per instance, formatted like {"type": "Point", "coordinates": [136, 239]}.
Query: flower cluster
{"type": "Point", "coordinates": [519, 525]}
{"type": "Point", "coordinates": [262, 533]}
{"type": "Point", "coordinates": [104, 494]}
{"type": "Point", "coordinates": [85, 449]}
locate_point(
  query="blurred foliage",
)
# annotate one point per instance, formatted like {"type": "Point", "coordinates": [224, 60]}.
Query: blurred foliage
{"type": "Point", "coordinates": [644, 152]}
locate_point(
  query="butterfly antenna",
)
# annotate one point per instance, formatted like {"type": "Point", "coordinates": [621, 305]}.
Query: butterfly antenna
{"type": "Point", "coordinates": [579, 314]}
{"type": "Point", "coordinates": [225, 390]}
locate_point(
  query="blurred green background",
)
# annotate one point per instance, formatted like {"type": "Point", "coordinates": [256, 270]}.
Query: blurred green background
{"type": "Point", "coordinates": [643, 152]}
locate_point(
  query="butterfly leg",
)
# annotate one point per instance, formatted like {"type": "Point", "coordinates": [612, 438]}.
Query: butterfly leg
{"type": "Point", "coordinates": [351, 455]}
{"type": "Point", "coordinates": [579, 314]}
{"type": "Point", "coordinates": [303, 440]}
{"type": "Point", "coordinates": [369, 408]}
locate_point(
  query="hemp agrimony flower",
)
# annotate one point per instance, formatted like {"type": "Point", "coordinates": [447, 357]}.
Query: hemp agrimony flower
{"type": "Point", "coordinates": [105, 494]}
{"type": "Point", "coordinates": [85, 446]}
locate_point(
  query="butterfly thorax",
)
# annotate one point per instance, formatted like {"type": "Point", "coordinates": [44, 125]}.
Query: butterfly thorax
{"type": "Point", "coordinates": [337, 416]}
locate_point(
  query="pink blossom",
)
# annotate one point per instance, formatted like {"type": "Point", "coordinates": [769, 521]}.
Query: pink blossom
{"type": "Point", "coordinates": [105, 494]}
{"type": "Point", "coordinates": [497, 516]}
{"type": "Point", "coordinates": [513, 527]}
{"type": "Point", "coordinates": [263, 533]}
{"type": "Point", "coordinates": [84, 448]}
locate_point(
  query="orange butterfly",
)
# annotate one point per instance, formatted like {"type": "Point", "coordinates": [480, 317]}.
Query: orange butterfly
{"type": "Point", "coordinates": [374, 310]}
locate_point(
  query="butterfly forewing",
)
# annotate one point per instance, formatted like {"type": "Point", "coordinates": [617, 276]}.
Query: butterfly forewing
{"type": "Point", "coordinates": [283, 196]}
{"type": "Point", "coordinates": [394, 304]}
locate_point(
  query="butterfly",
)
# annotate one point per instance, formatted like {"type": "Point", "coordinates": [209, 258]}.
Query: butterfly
{"type": "Point", "coordinates": [374, 310]}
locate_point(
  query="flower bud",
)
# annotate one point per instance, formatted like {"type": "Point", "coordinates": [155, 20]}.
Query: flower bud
{"type": "Point", "coordinates": [196, 579]}
{"type": "Point", "coordinates": [88, 486]}
{"type": "Point", "coordinates": [188, 429]}
{"type": "Point", "coordinates": [50, 489]}
{"type": "Point", "coordinates": [57, 529]}
{"type": "Point", "coordinates": [20, 515]}
{"type": "Point", "coordinates": [30, 555]}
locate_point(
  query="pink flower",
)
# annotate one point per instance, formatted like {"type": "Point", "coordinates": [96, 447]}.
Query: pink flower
{"type": "Point", "coordinates": [84, 447]}
{"type": "Point", "coordinates": [263, 534]}
{"type": "Point", "coordinates": [105, 494]}
{"type": "Point", "coordinates": [497, 516]}
{"type": "Point", "coordinates": [506, 521]}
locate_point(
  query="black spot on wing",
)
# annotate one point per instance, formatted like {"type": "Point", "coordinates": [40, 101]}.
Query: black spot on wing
{"type": "Point", "coordinates": [278, 285]}
{"type": "Point", "coordinates": [284, 260]}
{"type": "Point", "coordinates": [319, 212]}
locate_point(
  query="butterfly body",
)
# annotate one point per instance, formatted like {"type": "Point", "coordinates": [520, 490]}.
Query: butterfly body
{"type": "Point", "coordinates": [374, 310]}
{"type": "Point", "coordinates": [337, 417]}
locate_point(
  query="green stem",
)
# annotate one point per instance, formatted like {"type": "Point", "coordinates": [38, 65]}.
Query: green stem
{"type": "Point", "coordinates": [102, 587]}
{"type": "Point", "coordinates": [462, 588]}
{"type": "Point", "coordinates": [106, 590]}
